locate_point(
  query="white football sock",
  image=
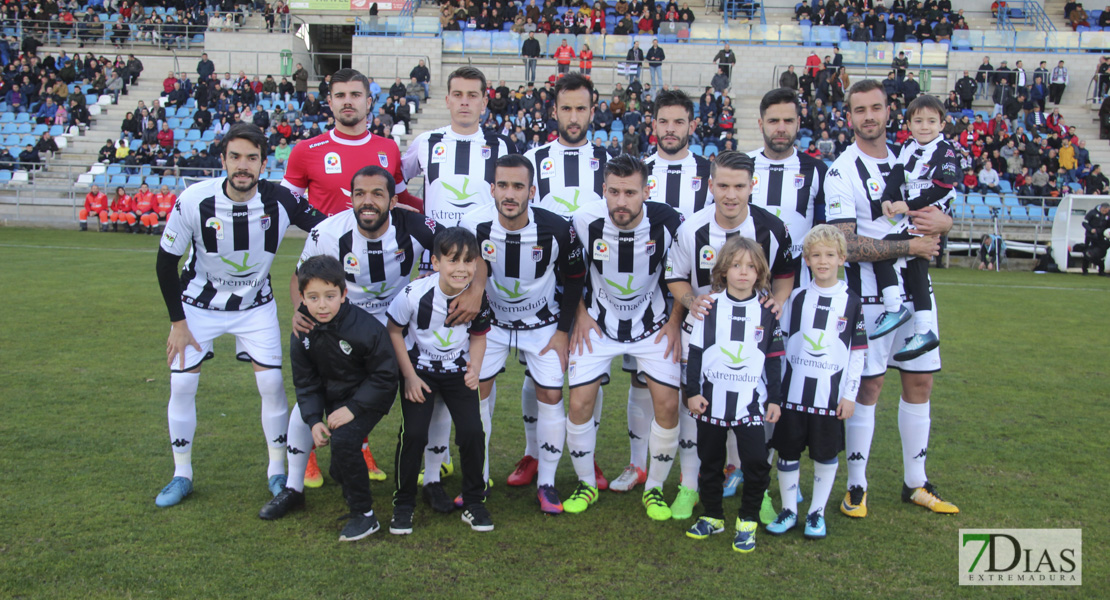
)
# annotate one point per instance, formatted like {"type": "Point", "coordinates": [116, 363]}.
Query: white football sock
{"type": "Point", "coordinates": [597, 407]}
{"type": "Point", "coordinates": [858, 431]}
{"type": "Point", "coordinates": [913, 424]}
{"type": "Point", "coordinates": [892, 298]}
{"type": "Point", "coordinates": [275, 417]}
{"type": "Point", "coordinates": [492, 397]}
{"type": "Point", "coordinates": [640, 413]}
{"type": "Point", "coordinates": [551, 433]}
{"type": "Point", "coordinates": [662, 447]}
{"type": "Point", "coordinates": [529, 413]}
{"type": "Point", "coordinates": [824, 475]}
{"type": "Point", "coordinates": [182, 415]}
{"type": "Point", "coordinates": [731, 450]}
{"type": "Point", "coordinates": [689, 463]}
{"type": "Point", "coordinates": [789, 479]}
{"type": "Point", "coordinates": [582, 441]}
{"type": "Point", "coordinates": [922, 321]}
{"type": "Point", "coordinates": [439, 440]}
{"type": "Point", "coordinates": [484, 408]}
{"type": "Point", "coordinates": [298, 446]}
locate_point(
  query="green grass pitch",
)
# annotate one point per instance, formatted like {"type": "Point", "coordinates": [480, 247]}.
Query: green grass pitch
{"type": "Point", "coordinates": [1019, 420]}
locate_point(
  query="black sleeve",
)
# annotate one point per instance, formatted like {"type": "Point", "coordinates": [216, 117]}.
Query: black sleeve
{"type": "Point", "coordinates": [894, 182]}
{"type": "Point", "coordinates": [170, 283]}
{"type": "Point", "coordinates": [693, 372]}
{"type": "Point", "coordinates": [572, 270]}
{"type": "Point", "coordinates": [481, 323]}
{"type": "Point", "coordinates": [307, 381]}
{"type": "Point", "coordinates": [772, 369]}
{"type": "Point", "coordinates": [300, 212]}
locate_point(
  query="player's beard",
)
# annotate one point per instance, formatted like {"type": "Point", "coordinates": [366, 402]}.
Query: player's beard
{"type": "Point", "coordinates": [350, 121]}
{"type": "Point", "coordinates": [683, 141]}
{"type": "Point", "coordinates": [233, 182]}
{"type": "Point", "coordinates": [371, 226]}
{"type": "Point", "coordinates": [880, 131]}
{"type": "Point", "coordinates": [572, 140]}
{"type": "Point", "coordinates": [520, 208]}
{"type": "Point", "coordinates": [623, 217]}
{"type": "Point", "coordinates": [776, 146]}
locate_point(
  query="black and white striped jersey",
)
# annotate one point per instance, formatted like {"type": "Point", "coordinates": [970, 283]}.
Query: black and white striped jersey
{"type": "Point", "coordinates": [624, 292]}
{"type": "Point", "coordinates": [934, 166]}
{"type": "Point", "coordinates": [376, 270]}
{"type": "Point", "coordinates": [683, 184]}
{"type": "Point", "coordinates": [821, 326]}
{"type": "Point", "coordinates": [233, 243]}
{"type": "Point", "coordinates": [728, 349]}
{"type": "Point", "coordinates": [792, 189]}
{"type": "Point", "coordinates": [854, 189]}
{"type": "Point", "coordinates": [700, 238]}
{"type": "Point", "coordinates": [567, 178]}
{"type": "Point", "coordinates": [457, 170]}
{"type": "Point", "coordinates": [525, 265]}
{"type": "Point", "coordinates": [434, 346]}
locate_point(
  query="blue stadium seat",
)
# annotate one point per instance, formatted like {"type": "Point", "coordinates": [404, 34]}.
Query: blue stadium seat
{"type": "Point", "coordinates": [1005, 185]}
{"type": "Point", "coordinates": [56, 130]}
{"type": "Point", "coordinates": [1018, 213]}
{"type": "Point", "coordinates": [136, 144]}
{"type": "Point", "coordinates": [23, 118]}
{"type": "Point", "coordinates": [134, 180]}
{"type": "Point", "coordinates": [697, 149]}
{"type": "Point", "coordinates": [153, 181]}
{"type": "Point", "coordinates": [1051, 213]}
{"type": "Point", "coordinates": [602, 135]}
{"type": "Point", "coordinates": [1036, 213]}
{"type": "Point", "coordinates": [23, 129]}
{"type": "Point", "coordinates": [981, 213]}
{"type": "Point", "coordinates": [113, 170]}
{"type": "Point", "coordinates": [101, 180]}
{"type": "Point", "coordinates": [5, 176]}
{"type": "Point", "coordinates": [118, 180]}
{"type": "Point", "coordinates": [617, 135]}
{"type": "Point", "coordinates": [992, 200]}
{"type": "Point", "coordinates": [1010, 200]}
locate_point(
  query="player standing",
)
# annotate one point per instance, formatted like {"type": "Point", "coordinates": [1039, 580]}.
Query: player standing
{"type": "Point", "coordinates": [569, 173]}
{"type": "Point", "coordinates": [323, 167]}
{"type": "Point", "coordinates": [235, 225]}
{"type": "Point", "coordinates": [457, 162]}
{"type": "Point", "coordinates": [853, 191]}
{"type": "Point", "coordinates": [626, 240]}
{"type": "Point", "coordinates": [528, 251]}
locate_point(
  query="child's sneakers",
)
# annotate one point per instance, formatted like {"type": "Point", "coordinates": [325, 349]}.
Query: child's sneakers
{"type": "Point", "coordinates": [705, 527]}
{"type": "Point", "coordinates": [815, 526]}
{"type": "Point", "coordinates": [786, 521]}
{"type": "Point", "coordinates": [890, 321]}
{"type": "Point", "coordinates": [745, 536]}
{"type": "Point", "coordinates": [312, 476]}
{"type": "Point", "coordinates": [733, 478]}
{"type": "Point", "coordinates": [767, 514]}
{"type": "Point", "coordinates": [358, 526]}
{"type": "Point", "coordinates": [401, 523]}
{"type": "Point", "coordinates": [683, 506]}
{"type": "Point", "coordinates": [916, 345]}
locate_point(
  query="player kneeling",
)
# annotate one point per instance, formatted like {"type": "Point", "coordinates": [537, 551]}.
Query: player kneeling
{"type": "Point", "coordinates": [345, 367]}
{"type": "Point", "coordinates": [732, 373]}
{"type": "Point", "coordinates": [826, 340]}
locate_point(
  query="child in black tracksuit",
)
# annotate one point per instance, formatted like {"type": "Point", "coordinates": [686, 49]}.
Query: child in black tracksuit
{"type": "Point", "coordinates": [343, 368]}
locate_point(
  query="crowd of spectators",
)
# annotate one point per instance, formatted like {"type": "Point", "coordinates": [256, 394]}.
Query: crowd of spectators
{"type": "Point", "coordinates": [873, 20]}
{"type": "Point", "coordinates": [565, 16]}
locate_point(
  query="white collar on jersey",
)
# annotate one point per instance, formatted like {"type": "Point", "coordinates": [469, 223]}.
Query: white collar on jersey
{"type": "Point", "coordinates": [659, 158]}
{"type": "Point", "coordinates": [348, 142]}
{"type": "Point", "coordinates": [763, 152]}
{"type": "Point", "coordinates": [831, 291]}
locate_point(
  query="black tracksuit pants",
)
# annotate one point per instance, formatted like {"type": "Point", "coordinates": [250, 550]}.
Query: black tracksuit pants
{"type": "Point", "coordinates": [348, 467]}
{"type": "Point", "coordinates": [470, 437]}
{"type": "Point", "coordinates": [751, 444]}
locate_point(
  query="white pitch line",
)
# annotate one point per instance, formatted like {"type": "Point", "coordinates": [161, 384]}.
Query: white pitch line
{"type": "Point", "coordinates": [75, 248]}
{"type": "Point", "coordinates": [1022, 287]}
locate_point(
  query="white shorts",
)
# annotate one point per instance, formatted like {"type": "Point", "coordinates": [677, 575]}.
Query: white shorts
{"type": "Point", "coordinates": [256, 331]}
{"type": "Point", "coordinates": [880, 352]}
{"type": "Point", "coordinates": [544, 370]}
{"type": "Point", "coordinates": [685, 355]}
{"type": "Point", "coordinates": [592, 366]}
{"type": "Point", "coordinates": [628, 362]}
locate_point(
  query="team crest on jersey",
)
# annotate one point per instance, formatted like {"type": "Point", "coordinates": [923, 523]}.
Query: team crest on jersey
{"type": "Point", "coordinates": [383, 158]}
{"type": "Point", "coordinates": [601, 250]}
{"type": "Point", "coordinates": [649, 247]}
{"type": "Point", "coordinates": [265, 222]}
{"type": "Point", "coordinates": [799, 181]}
{"type": "Point", "coordinates": [489, 251]}
{"type": "Point", "coordinates": [537, 253]}
{"type": "Point", "coordinates": [350, 263]}
{"type": "Point", "coordinates": [399, 255]}
{"type": "Point", "coordinates": [439, 152]}
{"type": "Point", "coordinates": [874, 188]}
{"type": "Point", "coordinates": [695, 183]}
{"type": "Point", "coordinates": [547, 168]}
{"type": "Point", "coordinates": [707, 257]}
{"type": "Point", "coordinates": [344, 346]}
{"type": "Point", "coordinates": [306, 343]}
{"type": "Point", "coordinates": [486, 153]}
{"type": "Point", "coordinates": [841, 324]}
{"type": "Point", "coordinates": [758, 334]}
{"type": "Point", "coordinates": [332, 163]}
{"type": "Point", "coordinates": [216, 224]}
{"type": "Point", "coordinates": [595, 164]}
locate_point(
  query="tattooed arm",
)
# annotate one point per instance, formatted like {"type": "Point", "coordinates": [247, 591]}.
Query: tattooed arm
{"type": "Point", "coordinates": [865, 249]}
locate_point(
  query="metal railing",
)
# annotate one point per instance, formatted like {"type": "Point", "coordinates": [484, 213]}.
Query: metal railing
{"type": "Point", "coordinates": [1024, 12]}
{"type": "Point", "coordinates": [675, 73]}
{"type": "Point", "coordinates": [380, 67]}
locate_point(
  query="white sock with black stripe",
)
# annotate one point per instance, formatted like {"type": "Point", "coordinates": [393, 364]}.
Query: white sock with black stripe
{"type": "Point", "coordinates": [529, 412]}
{"type": "Point", "coordinates": [298, 446]}
{"type": "Point", "coordinates": [551, 433]}
{"type": "Point", "coordinates": [275, 417]}
{"type": "Point", "coordinates": [582, 441]}
{"type": "Point", "coordinates": [439, 440]}
{"type": "Point", "coordinates": [182, 416]}
{"type": "Point", "coordinates": [662, 447]}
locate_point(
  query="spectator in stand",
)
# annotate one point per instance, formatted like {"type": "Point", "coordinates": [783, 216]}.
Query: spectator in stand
{"type": "Point", "coordinates": [789, 79]}
{"type": "Point", "coordinates": [403, 113]}
{"type": "Point", "coordinates": [423, 76]}
{"type": "Point", "coordinates": [726, 58]}
{"type": "Point", "coordinates": [900, 64]}
{"type": "Point", "coordinates": [1078, 18]}
{"type": "Point", "coordinates": [563, 55]}
{"type": "Point", "coordinates": [300, 82]}
{"type": "Point", "coordinates": [530, 51]}
{"type": "Point", "coordinates": [415, 93]}
{"type": "Point", "coordinates": [281, 153]}
{"type": "Point", "coordinates": [107, 152]}
{"type": "Point", "coordinates": [970, 182]}
{"type": "Point", "coordinates": [286, 91]}
{"type": "Point", "coordinates": [46, 145]}
{"type": "Point", "coordinates": [943, 30]}
{"type": "Point", "coordinates": [586, 59]}
{"type": "Point", "coordinates": [1096, 181]}
{"type": "Point", "coordinates": [46, 112]}
{"type": "Point", "coordinates": [910, 89]}
{"type": "Point", "coordinates": [988, 180]}
{"type": "Point", "coordinates": [655, 58]}
{"type": "Point", "coordinates": [1058, 81]}
{"type": "Point", "coordinates": [634, 60]}
{"type": "Point", "coordinates": [165, 136]}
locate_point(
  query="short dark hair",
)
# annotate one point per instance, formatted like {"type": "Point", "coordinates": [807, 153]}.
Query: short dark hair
{"type": "Point", "coordinates": [345, 75]}
{"type": "Point", "coordinates": [245, 131]}
{"type": "Point", "coordinates": [456, 241]}
{"type": "Point", "coordinates": [862, 87]}
{"type": "Point", "coordinates": [376, 171]}
{"type": "Point", "coordinates": [323, 267]}
{"type": "Point", "coordinates": [626, 165]}
{"type": "Point", "coordinates": [512, 161]}
{"type": "Point", "coordinates": [673, 98]}
{"type": "Point", "coordinates": [467, 72]}
{"type": "Point", "coordinates": [780, 96]}
{"type": "Point", "coordinates": [572, 82]}
{"type": "Point", "coordinates": [926, 102]}
{"type": "Point", "coordinates": [731, 159]}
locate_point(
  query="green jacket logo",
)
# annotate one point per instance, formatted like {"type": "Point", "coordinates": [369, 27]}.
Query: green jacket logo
{"type": "Point", "coordinates": [816, 348]}
{"type": "Point", "coordinates": [512, 294]}
{"type": "Point", "coordinates": [240, 268]}
{"type": "Point", "coordinates": [570, 206]}
{"type": "Point", "coordinates": [378, 293]}
{"type": "Point", "coordinates": [460, 195]}
{"type": "Point", "coordinates": [734, 359]}
{"type": "Point", "coordinates": [444, 342]}
{"type": "Point", "coordinates": [626, 290]}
